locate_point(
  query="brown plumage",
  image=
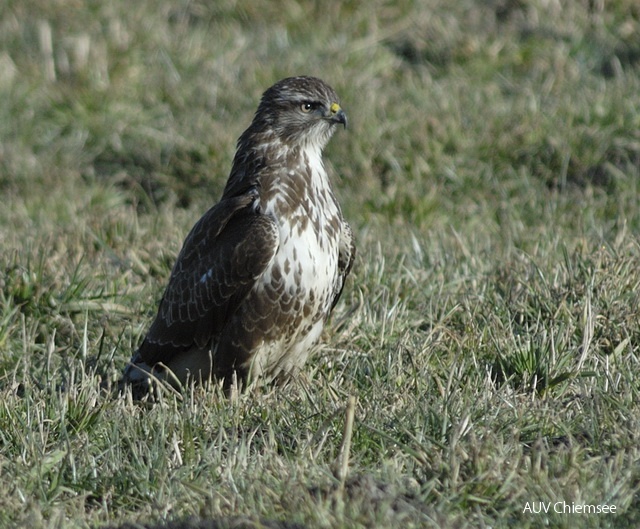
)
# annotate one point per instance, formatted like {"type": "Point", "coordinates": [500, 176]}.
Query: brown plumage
{"type": "Point", "coordinates": [260, 272]}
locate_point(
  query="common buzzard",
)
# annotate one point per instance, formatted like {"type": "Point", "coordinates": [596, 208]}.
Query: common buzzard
{"type": "Point", "coordinates": [260, 272]}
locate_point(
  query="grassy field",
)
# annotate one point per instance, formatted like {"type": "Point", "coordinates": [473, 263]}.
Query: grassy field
{"type": "Point", "coordinates": [490, 333]}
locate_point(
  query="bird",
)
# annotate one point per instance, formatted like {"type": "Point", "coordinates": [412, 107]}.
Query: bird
{"type": "Point", "coordinates": [260, 272]}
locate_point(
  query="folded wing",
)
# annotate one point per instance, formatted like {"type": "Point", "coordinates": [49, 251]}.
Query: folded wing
{"type": "Point", "coordinates": [222, 258]}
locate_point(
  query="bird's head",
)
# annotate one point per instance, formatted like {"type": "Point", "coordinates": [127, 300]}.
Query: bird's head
{"type": "Point", "coordinates": [300, 110]}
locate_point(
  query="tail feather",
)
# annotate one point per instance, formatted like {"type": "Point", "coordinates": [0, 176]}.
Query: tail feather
{"type": "Point", "coordinates": [137, 376]}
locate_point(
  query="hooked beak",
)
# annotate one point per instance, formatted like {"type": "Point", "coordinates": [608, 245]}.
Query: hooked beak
{"type": "Point", "coordinates": [337, 115]}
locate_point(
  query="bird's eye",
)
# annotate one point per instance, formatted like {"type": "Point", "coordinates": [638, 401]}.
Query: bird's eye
{"type": "Point", "coordinates": [307, 107]}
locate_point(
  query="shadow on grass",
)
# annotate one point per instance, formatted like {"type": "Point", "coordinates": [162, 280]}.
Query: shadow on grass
{"type": "Point", "coordinates": [235, 522]}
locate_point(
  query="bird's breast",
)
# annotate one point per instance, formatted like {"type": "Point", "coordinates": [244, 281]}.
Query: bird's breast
{"type": "Point", "coordinates": [303, 273]}
{"type": "Point", "coordinates": [294, 296]}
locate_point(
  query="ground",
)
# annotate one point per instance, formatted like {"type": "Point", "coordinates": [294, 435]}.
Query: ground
{"type": "Point", "coordinates": [489, 332]}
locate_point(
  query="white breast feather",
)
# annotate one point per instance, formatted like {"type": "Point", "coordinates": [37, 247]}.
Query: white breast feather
{"type": "Point", "coordinates": [317, 262]}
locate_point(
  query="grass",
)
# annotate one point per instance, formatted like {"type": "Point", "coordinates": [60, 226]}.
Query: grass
{"type": "Point", "coordinates": [489, 333]}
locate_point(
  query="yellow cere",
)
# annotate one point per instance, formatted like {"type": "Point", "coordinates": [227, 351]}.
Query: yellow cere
{"type": "Point", "coordinates": [334, 108]}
